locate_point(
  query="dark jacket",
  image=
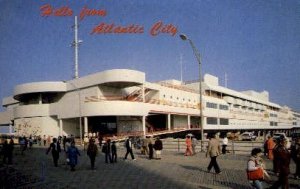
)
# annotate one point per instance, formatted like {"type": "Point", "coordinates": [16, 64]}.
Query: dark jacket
{"type": "Point", "coordinates": [92, 149]}
{"type": "Point", "coordinates": [128, 144]}
{"type": "Point", "coordinates": [282, 158]}
{"type": "Point", "coordinates": [158, 145]}
{"type": "Point", "coordinates": [54, 147]}
{"type": "Point", "coordinates": [113, 148]}
{"type": "Point", "coordinates": [106, 148]}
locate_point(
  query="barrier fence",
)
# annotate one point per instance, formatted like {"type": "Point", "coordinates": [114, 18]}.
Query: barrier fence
{"type": "Point", "coordinates": [233, 147]}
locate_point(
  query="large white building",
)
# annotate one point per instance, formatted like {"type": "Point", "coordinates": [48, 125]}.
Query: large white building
{"type": "Point", "coordinates": [122, 102]}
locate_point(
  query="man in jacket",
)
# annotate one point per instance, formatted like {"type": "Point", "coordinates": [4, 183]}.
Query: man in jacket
{"type": "Point", "coordinates": [128, 145]}
{"type": "Point", "coordinates": [55, 149]}
{"type": "Point", "coordinates": [214, 149]}
{"type": "Point", "coordinates": [282, 158]}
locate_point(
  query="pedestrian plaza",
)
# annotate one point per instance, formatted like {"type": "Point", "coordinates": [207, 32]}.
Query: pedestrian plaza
{"type": "Point", "coordinates": [35, 169]}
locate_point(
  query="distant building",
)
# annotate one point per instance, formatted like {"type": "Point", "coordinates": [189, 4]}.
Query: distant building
{"type": "Point", "coordinates": [122, 102]}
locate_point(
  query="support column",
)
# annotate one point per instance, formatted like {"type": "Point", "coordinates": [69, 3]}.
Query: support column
{"type": "Point", "coordinates": [144, 125]}
{"type": "Point", "coordinates": [10, 128]}
{"type": "Point", "coordinates": [169, 122]}
{"type": "Point", "coordinates": [189, 122]}
{"type": "Point", "coordinates": [40, 98]}
{"type": "Point", "coordinates": [60, 127]}
{"type": "Point", "coordinates": [143, 92]}
{"type": "Point", "coordinates": [85, 125]}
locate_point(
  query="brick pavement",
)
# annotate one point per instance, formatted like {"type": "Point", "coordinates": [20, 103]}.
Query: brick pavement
{"type": "Point", "coordinates": [173, 171]}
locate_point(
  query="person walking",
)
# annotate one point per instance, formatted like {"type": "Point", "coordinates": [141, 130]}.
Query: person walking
{"type": "Point", "coordinates": [10, 151]}
{"type": "Point", "coordinates": [254, 165]}
{"type": "Point", "coordinates": [281, 163]}
{"type": "Point", "coordinates": [129, 145]}
{"type": "Point", "coordinates": [92, 151]}
{"type": "Point", "coordinates": [107, 150]}
{"type": "Point", "coordinates": [114, 152]}
{"type": "Point", "coordinates": [224, 144]}
{"type": "Point", "coordinates": [144, 148]}
{"type": "Point", "coordinates": [72, 154]}
{"type": "Point", "coordinates": [86, 141]}
{"type": "Point", "coordinates": [55, 149]}
{"type": "Point", "coordinates": [150, 146]}
{"type": "Point", "coordinates": [7, 151]}
{"type": "Point", "coordinates": [188, 142]}
{"type": "Point", "coordinates": [270, 145]}
{"type": "Point", "coordinates": [158, 146]}
{"type": "Point", "coordinates": [44, 140]}
{"type": "Point", "coordinates": [213, 151]}
{"type": "Point", "coordinates": [295, 152]}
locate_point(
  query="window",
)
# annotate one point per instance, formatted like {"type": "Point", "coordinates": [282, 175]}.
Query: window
{"type": "Point", "coordinates": [273, 115]}
{"type": "Point", "coordinates": [236, 106]}
{"type": "Point", "coordinates": [223, 107]}
{"type": "Point", "coordinates": [224, 121]}
{"type": "Point", "coordinates": [211, 105]}
{"type": "Point", "coordinates": [212, 121]}
{"type": "Point", "coordinates": [273, 123]}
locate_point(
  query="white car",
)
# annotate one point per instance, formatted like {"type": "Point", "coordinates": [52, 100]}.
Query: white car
{"type": "Point", "coordinates": [248, 136]}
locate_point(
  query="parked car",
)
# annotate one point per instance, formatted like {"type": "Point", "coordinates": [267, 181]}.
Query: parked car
{"type": "Point", "coordinates": [248, 136]}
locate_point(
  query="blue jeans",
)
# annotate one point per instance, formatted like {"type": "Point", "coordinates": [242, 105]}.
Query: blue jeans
{"type": "Point", "coordinates": [257, 184]}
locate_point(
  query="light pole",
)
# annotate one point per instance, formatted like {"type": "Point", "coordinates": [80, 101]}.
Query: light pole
{"type": "Point", "coordinates": [197, 54]}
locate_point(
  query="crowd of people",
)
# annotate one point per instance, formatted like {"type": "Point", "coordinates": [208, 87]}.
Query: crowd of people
{"type": "Point", "coordinates": [278, 151]}
{"type": "Point", "coordinates": [107, 146]}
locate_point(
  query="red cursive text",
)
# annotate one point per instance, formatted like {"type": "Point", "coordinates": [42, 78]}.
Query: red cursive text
{"type": "Point", "coordinates": [159, 27]}
{"type": "Point", "coordinates": [91, 12]}
{"type": "Point", "coordinates": [104, 28]}
{"type": "Point", "coordinates": [48, 10]}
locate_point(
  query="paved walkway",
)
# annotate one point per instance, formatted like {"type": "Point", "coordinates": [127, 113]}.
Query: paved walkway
{"type": "Point", "coordinates": [35, 170]}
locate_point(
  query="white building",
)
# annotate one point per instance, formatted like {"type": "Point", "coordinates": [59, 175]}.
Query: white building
{"type": "Point", "coordinates": [122, 102]}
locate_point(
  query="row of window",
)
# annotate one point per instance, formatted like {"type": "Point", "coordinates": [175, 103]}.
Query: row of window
{"type": "Point", "coordinates": [296, 115]}
{"type": "Point", "coordinates": [215, 106]}
{"type": "Point", "coordinates": [214, 121]}
{"type": "Point", "coordinates": [273, 123]}
{"type": "Point", "coordinates": [273, 115]}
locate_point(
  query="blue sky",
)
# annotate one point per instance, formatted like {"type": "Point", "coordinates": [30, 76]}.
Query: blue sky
{"type": "Point", "coordinates": [257, 43]}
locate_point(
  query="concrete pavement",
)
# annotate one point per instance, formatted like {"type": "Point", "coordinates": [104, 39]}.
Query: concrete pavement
{"type": "Point", "coordinates": [35, 170]}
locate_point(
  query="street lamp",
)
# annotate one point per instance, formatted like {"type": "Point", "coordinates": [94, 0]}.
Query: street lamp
{"type": "Point", "coordinates": [197, 54]}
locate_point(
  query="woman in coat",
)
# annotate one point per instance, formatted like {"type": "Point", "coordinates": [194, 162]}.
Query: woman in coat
{"type": "Point", "coordinates": [73, 154]}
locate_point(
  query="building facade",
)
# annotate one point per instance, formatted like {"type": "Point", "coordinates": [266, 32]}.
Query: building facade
{"type": "Point", "coordinates": [121, 102]}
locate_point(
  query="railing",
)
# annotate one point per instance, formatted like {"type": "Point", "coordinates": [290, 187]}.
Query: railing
{"type": "Point", "coordinates": [233, 147]}
{"type": "Point", "coordinates": [179, 87]}
{"type": "Point", "coordinates": [138, 99]}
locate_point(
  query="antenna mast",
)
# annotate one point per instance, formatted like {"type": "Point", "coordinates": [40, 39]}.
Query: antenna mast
{"type": "Point", "coordinates": [180, 67]}
{"type": "Point", "coordinates": [226, 79]}
{"type": "Point", "coordinates": [75, 44]}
